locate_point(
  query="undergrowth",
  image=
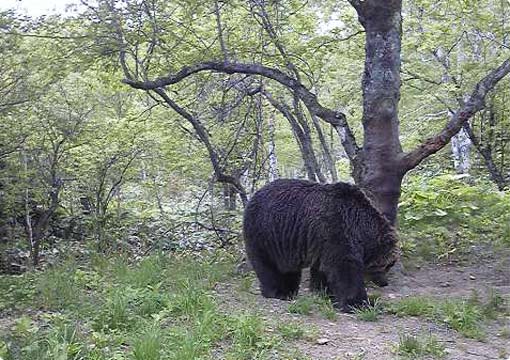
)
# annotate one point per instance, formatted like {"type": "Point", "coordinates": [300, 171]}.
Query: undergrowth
{"type": "Point", "coordinates": [445, 216]}
{"type": "Point", "coordinates": [164, 307]}
{"type": "Point", "coordinates": [159, 308]}
{"type": "Point", "coordinates": [467, 316]}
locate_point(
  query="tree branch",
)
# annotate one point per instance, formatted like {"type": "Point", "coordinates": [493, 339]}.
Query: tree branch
{"type": "Point", "coordinates": [486, 154]}
{"type": "Point", "coordinates": [223, 46]}
{"type": "Point", "coordinates": [475, 103]}
{"type": "Point", "coordinates": [303, 139]}
{"type": "Point", "coordinates": [309, 98]}
{"type": "Point", "coordinates": [335, 118]}
{"type": "Point", "coordinates": [204, 138]}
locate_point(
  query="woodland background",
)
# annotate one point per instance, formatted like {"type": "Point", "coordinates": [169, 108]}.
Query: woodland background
{"type": "Point", "coordinates": [92, 168]}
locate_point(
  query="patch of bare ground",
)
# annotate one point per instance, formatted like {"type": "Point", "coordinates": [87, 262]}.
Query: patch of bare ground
{"type": "Point", "coordinates": [350, 338]}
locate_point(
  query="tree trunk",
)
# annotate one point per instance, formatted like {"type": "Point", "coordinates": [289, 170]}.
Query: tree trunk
{"type": "Point", "coordinates": [28, 227]}
{"type": "Point", "coordinates": [461, 149]}
{"type": "Point", "coordinates": [380, 165]}
{"type": "Point", "coordinates": [273, 160]}
{"type": "Point", "coordinates": [486, 153]}
{"type": "Point", "coordinates": [229, 197]}
{"type": "Point", "coordinates": [461, 144]}
{"type": "Point", "coordinates": [328, 158]}
{"type": "Point", "coordinates": [377, 167]}
{"type": "Point", "coordinates": [302, 134]}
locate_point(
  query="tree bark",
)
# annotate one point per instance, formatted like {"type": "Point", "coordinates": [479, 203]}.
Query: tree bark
{"type": "Point", "coordinates": [273, 159]}
{"type": "Point", "coordinates": [461, 149]}
{"type": "Point", "coordinates": [377, 168]}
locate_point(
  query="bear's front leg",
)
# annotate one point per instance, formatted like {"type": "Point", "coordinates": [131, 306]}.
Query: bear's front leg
{"type": "Point", "coordinates": [345, 281]}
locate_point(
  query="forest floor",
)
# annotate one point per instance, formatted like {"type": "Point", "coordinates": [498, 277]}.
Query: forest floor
{"type": "Point", "coordinates": [179, 308]}
{"type": "Point", "coordinates": [348, 337]}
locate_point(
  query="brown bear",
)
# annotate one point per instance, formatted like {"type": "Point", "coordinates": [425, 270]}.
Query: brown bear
{"type": "Point", "coordinates": [332, 228]}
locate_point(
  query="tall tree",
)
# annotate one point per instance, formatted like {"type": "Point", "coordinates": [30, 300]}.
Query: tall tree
{"type": "Point", "coordinates": [380, 163]}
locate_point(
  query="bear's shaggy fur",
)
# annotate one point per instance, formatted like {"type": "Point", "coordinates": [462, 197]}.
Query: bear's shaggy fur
{"type": "Point", "coordinates": [333, 228]}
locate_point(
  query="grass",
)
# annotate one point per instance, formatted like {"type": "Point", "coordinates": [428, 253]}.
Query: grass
{"type": "Point", "coordinates": [303, 305]}
{"type": "Point", "coordinates": [158, 308]}
{"type": "Point", "coordinates": [149, 346]}
{"type": "Point", "coordinates": [412, 347]}
{"type": "Point", "coordinates": [370, 312]}
{"type": "Point", "coordinates": [167, 308]}
{"type": "Point", "coordinates": [246, 282]}
{"type": "Point", "coordinates": [57, 288]}
{"type": "Point", "coordinates": [307, 304]}
{"type": "Point", "coordinates": [466, 316]}
{"type": "Point", "coordinates": [414, 306]}
{"type": "Point", "coordinates": [291, 331]}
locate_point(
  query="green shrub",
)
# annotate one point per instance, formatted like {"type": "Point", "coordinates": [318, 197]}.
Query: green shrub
{"type": "Point", "coordinates": [443, 216]}
{"type": "Point", "coordinates": [17, 291]}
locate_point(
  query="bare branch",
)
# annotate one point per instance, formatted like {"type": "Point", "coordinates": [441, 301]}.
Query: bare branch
{"type": "Point", "coordinates": [335, 40]}
{"type": "Point", "coordinates": [335, 118]}
{"type": "Point", "coordinates": [306, 96]}
{"type": "Point", "coordinates": [416, 76]}
{"type": "Point", "coordinates": [475, 103]}
{"type": "Point", "coordinates": [46, 36]}
{"type": "Point", "coordinates": [120, 179]}
{"type": "Point", "coordinates": [14, 103]}
{"type": "Point", "coordinates": [219, 25]}
{"type": "Point", "coordinates": [302, 136]}
{"type": "Point", "coordinates": [204, 138]}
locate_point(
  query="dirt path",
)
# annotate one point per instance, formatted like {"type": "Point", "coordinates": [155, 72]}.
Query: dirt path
{"type": "Point", "coordinates": [350, 338]}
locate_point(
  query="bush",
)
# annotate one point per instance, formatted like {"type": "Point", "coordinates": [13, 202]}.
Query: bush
{"type": "Point", "coordinates": [444, 216]}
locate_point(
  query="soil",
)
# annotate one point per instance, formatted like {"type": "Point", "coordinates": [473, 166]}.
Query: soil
{"type": "Point", "coordinates": [350, 338]}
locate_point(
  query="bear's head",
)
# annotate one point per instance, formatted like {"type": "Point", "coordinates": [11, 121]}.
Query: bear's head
{"type": "Point", "coordinates": [376, 271]}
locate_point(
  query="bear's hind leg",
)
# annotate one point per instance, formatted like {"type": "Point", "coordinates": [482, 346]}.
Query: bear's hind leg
{"type": "Point", "coordinates": [318, 280]}
{"type": "Point", "coordinates": [275, 284]}
{"type": "Point", "coordinates": [291, 281]}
